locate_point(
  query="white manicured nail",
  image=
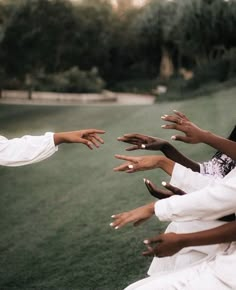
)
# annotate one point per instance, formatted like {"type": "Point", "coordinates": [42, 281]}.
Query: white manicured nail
{"type": "Point", "coordinates": [144, 180]}
{"type": "Point", "coordinates": [116, 228]}
{"type": "Point", "coordinates": [163, 183]}
{"type": "Point", "coordinates": [163, 126]}
{"type": "Point", "coordinates": [163, 117]}
{"type": "Point", "coordinates": [173, 138]}
{"type": "Point", "coordinates": [143, 146]}
{"type": "Point", "coordinates": [145, 242]}
{"type": "Point", "coordinates": [111, 224]}
{"type": "Point", "coordinates": [130, 166]}
{"type": "Point", "coordinates": [113, 216]}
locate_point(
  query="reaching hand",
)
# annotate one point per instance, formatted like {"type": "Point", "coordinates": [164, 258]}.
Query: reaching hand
{"type": "Point", "coordinates": [135, 216]}
{"type": "Point", "coordinates": [138, 163]}
{"type": "Point", "coordinates": [160, 193]}
{"type": "Point", "coordinates": [142, 142]}
{"type": "Point", "coordinates": [193, 134]}
{"type": "Point", "coordinates": [163, 245]}
{"type": "Point", "coordinates": [88, 137]}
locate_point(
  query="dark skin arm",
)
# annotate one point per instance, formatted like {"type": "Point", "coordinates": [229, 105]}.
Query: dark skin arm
{"type": "Point", "coordinates": [168, 244]}
{"type": "Point", "coordinates": [194, 134]}
{"type": "Point", "coordinates": [145, 142]}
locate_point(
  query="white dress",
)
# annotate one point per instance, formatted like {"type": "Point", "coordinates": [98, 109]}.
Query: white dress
{"type": "Point", "coordinates": [216, 168]}
{"type": "Point", "coordinates": [212, 269]}
{"type": "Point", "coordinates": [26, 150]}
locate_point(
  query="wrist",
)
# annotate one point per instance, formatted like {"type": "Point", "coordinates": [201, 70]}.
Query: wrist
{"type": "Point", "coordinates": [206, 136]}
{"type": "Point", "coordinates": [59, 138]}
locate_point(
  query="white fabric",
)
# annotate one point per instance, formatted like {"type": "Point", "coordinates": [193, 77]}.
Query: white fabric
{"type": "Point", "coordinates": [214, 271]}
{"type": "Point", "coordinates": [215, 200]}
{"type": "Point", "coordinates": [26, 150]}
{"type": "Point", "coordinates": [182, 177]}
{"type": "Point", "coordinates": [200, 277]}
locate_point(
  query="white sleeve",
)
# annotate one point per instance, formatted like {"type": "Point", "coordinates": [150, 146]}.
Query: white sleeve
{"type": "Point", "coordinates": [188, 180]}
{"type": "Point", "coordinates": [26, 150]}
{"type": "Point", "coordinates": [209, 203]}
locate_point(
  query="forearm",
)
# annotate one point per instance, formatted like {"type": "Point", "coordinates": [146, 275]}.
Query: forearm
{"type": "Point", "coordinates": [223, 145]}
{"type": "Point", "coordinates": [172, 153]}
{"type": "Point", "coordinates": [222, 234]}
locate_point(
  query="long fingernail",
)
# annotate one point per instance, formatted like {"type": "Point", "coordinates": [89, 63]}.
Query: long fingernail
{"type": "Point", "coordinates": [163, 117]}
{"type": "Point", "coordinates": [163, 183]}
{"type": "Point", "coordinates": [130, 166]}
{"type": "Point", "coordinates": [144, 180]}
{"type": "Point", "coordinates": [111, 224]}
{"type": "Point", "coordinates": [173, 137]}
{"type": "Point", "coordinates": [113, 216]}
{"type": "Point", "coordinates": [116, 228]}
{"type": "Point", "coordinates": [145, 242]}
{"type": "Point", "coordinates": [143, 146]}
{"type": "Point", "coordinates": [163, 126]}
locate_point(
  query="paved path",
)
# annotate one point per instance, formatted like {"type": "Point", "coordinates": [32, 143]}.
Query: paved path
{"type": "Point", "coordinates": [115, 99]}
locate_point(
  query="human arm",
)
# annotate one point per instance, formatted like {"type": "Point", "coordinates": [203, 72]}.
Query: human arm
{"type": "Point", "coordinates": [145, 142]}
{"type": "Point", "coordinates": [89, 137]}
{"type": "Point", "coordinates": [168, 244]}
{"type": "Point", "coordinates": [140, 163]}
{"type": "Point", "coordinates": [31, 149]}
{"type": "Point", "coordinates": [161, 193]}
{"type": "Point", "coordinates": [194, 134]}
{"type": "Point", "coordinates": [135, 216]}
{"type": "Point", "coordinates": [211, 202]}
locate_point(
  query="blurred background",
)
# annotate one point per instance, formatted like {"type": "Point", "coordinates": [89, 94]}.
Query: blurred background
{"type": "Point", "coordinates": [55, 215]}
{"type": "Point", "coordinates": [179, 48]}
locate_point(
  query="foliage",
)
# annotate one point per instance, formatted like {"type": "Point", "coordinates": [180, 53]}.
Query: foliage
{"type": "Point", "coordinates": [53, 36]}
{"type": "Point", "coordinates": [73, 80]}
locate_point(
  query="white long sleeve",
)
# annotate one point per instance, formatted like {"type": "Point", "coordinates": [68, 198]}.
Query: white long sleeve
{"type": "Point", "coordinates": [26, 150]}
{"type": "Point", "coordinates": [215, 200]}
{"type": "Point", "coordinates": [181, 177]}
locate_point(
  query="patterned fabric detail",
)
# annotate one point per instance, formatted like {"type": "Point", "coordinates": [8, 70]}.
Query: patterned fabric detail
{"type": "Point", "coordinates": [219, 166]}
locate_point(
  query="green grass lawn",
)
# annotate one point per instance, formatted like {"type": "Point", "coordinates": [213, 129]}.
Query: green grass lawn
{"type": "Point", "coordinates": [55, 215]}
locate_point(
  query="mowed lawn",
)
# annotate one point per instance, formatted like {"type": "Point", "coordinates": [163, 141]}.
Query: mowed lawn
{"type": "Point", "coordinates": [55, 215]}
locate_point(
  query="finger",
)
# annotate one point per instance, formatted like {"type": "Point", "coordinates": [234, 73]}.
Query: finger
{"type": "Point", "coordinates": [122, 167]}
{"type": "Point", "coordinates": [171, 118]}
{"type": "Point", "coordinates": [156, 192]}
{"type": "Point", "coordinates": [93, 131]}
{"type": "Point", "coordinates": [98, 138]}
{"type": "Point", "coordinates": [156, 239]}
{"type": "Point", "coordinates": [123, 157]}
{"type": "Point", "coordinates": [169, 126]}
{"type": "Point", "coordinates": [89, 144]}
{"type": "Point", "coordinates": [181, 115]}
{"type": "Point", "coordinates": [174, 189]}
{"type": "Point", "coordinates": [94, 141]}
{"type": "Point", "coordinates": [128, 140]}
{"type": "Point", "coordinates": [184, 139]}
{"type": "Point", "coordinates": [149, 252]}
{"type": "Point", "coordinates": [132, 148]}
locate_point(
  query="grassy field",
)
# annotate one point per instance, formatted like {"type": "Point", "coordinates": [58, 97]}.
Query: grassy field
{"type": "Point", "coordinates": [55, 215]}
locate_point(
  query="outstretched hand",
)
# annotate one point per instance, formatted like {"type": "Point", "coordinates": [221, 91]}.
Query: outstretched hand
{"type": "Point", "coordinates": [138, 163]}
{"type": "Point", "coordinates": [89, 137]}
{"type": "Point", "coordinates": [193, 134]}
{"type": "Point", "coordinates": [135, 216]}
{"type": "Point", "coordinates": [163, 245]}
{"type": "Point", "coordinates": [140, 141]}
{"type": "Point", "coordinates": [160, 193]}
